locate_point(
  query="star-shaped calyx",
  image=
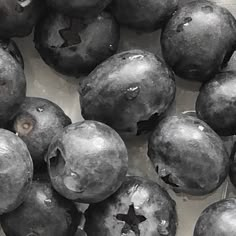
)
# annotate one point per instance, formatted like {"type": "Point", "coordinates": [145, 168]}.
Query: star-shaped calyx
{"type": "Point", "coordinates": [131, 220]}
{"type": "Point", "coordinates": [70, 35]}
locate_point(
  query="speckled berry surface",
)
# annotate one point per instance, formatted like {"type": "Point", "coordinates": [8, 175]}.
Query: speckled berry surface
{"type": "Point", "coordinates": [133, 13]}
{"type": "Point", "coordinates": [87, 162]}
{"type": "Point", "coordinates": [44, 82]}
{"type": "Point", "coordinates": [18, 17]}
{"type": "Point", "coordinates": [128, 92]}
{"type": "Point", "coordinates": [12, 86]}
{"type": "Point", "coordinates": [16, 171]}
{"type": "Point", "coordinates": [188, 155]}
{"type": "Point", "coordinates": [199, 40]}
{"type": "Point", "coordinates": [216, 103]}
{"type": "Point", "coordinates": [139, 208]}
{"type": "Point", "coordinates": [217, 220]}
{"type": "Point", "coordinates": [37, 121]}
{"type": "Point", "coordinates": [43, 213]}
{"type": "Point", "coordinates": [76, 46]}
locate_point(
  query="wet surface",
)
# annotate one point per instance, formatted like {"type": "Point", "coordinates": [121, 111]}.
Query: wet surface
{"type": "Point", "coordinates": [45, 82]}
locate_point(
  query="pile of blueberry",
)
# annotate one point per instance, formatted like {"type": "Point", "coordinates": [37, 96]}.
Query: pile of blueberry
{"type": "Point", "coordinates": [48, 164]}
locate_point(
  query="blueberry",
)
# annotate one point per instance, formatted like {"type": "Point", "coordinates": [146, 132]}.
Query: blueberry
{"type": "Point", "coordinates": [16, 171]}
{"type": "Point", "coordinates": [188, 155]}
{"type": "Point", "coordinates": [76, 46]}
{"type": "Point", "coordinates": [129, 92]}
{"type": "Point", "coordinates": [11, 47]}
{"type": "Point", "coordinates": [43, 213]}
{"type": "Point", "coordinates": [217, 220]}
{"type": "Point", "coordinates": [148, 15]}
{"type": "Point", "coordinates": [18, 17]}
{"type": "Point", "coordinates": [81, 8]}
{"type": "Point", "coordinates": [199, 40]}
{"type": "Point", "coordinates": [216, 103]}
{"type": "Point", "coordinates": [87, 162]}
{"type": "Point", "coordinates": [140, 207]}
{"type": "Point", "coordinates": [37, 121]}
{"type": "Point", "coordinates": [12, 86]}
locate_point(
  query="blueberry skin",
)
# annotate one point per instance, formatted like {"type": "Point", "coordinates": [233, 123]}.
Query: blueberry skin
{"type": "Point", "coordinates": [87, 162]}
{"type": "Point", "coordinates": [12, 86]}
{"type": "Point", "coordinates": [11, 47]}
{"type": "Point", "coordinates": [18, 17]}
{"type": "Point", "coordinates": [216, 103]}
{"type": "Point", "coordinates": [43, 213]}
{"type": "Point", "coordinates": [80, 9]}
{"type": "Point", "coordinates": [147, 15]}
{"type": "Point", "coordinates": [16, 171]}
{"type": "Point", "coordinates": [199, 40]}
{"type": "Point", "coordinates": [148, 199]}
{"type": "Point", "coordinates": [37, 121]}
{"type": "Point", "coordinates": [128, 92]}
{"type": "Point", "coordinates": [232, 173]}
{"type": "Point", "coordinates": [73, 46]}
{"type": "Point", "coordinates": [218, 219]}
{"type": "Point", "coordinates": [188, 155]}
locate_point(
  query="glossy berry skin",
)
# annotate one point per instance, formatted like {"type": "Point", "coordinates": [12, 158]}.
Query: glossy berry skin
{"type": "Point", "coordinates": [188, 155]}
{"type": "Point", "coordinates": [216, 103]}
{"type": "Point", "coordinates": [76, 46]}
{"type": "Point", "coordinates": [218, 219]}
{"type": "Point", "coordinates": [147, 15]}
{"type": "Point", "coordinates": [151, 211]}
{"type": "Point", "coordinates": [11, 47]}
{"type": "Point", "coordinates": [12, 86]}
{"type": "Point", "coordinates": [16, 171]}
{"type": "Point", "coordinates": [43, 213]}
{"type": "Point", "coordinates": [199, 40]}
{"type": "Point", "coordinates": [37, 121]}
{"type": "Point", "coordinates": [87, 162]}
{"type": "Point", "coordinates": [232, 173]}
{"type": "Point", "coordinates": [128, 92]}
{"type": "Point", "coordinates": [18, 17]}
{"type": "Point", "coordinates": [79, 9]}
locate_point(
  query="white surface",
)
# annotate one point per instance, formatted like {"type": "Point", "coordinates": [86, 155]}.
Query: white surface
{"type": "Point", "coordinates": [44, 82]}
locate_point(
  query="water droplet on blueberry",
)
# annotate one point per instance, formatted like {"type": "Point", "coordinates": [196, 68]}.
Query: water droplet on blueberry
{"type": "Point", "coordinates": [132, 92]}
{"type": "Point", "coordinates": [40, 109]}
{"type": "Point", "coordinates": [136, 57]}
{"type": "Point", "coordinates": [111, 47]}
{"type": "Point", "coordinates": [72, 183]}
{"type": "Point", "coordinates": [48, 202]}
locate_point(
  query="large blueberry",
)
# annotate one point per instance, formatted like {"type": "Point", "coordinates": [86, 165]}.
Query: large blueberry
{"type": "Point", "coordinates": [18, 17]}
{"type": "Point", "coordinates": [144, 14]}
{"type": "Point", "coordinates": [216, 103]}
{"type": "Point", "coordinates": [129, 91]}
{"type": "Point", "coordinates": [76, 46]}
{"type": "Point", "coordinates": [218, 219]}
{"type": "Point", "coordinates": [12, 86]}
{"type": "Point", "coordinates": [188, 155]}
{"type": "Point", "coordinates": [43, 213]}
{"type": "Point", "coordinates": [11, 47]}
{"type": "Point", "coordinates": [79, 8]}
{"type": "Point", "coordinates": [199, 40]}
{"type": "Point", "coordinates": [139, 208]}
{"type": "Point", "coordinates": [87, 162]}
{"type": "Point", "coordinates": [16, 171]}
{"type": "Point", "coordinates": [37, 121]}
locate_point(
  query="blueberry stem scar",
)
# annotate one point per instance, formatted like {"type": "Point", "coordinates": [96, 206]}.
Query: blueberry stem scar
{"type": "Point", "coordinates": [131, 221]}
{"type": "Point", "coordinates": [71, 35]}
